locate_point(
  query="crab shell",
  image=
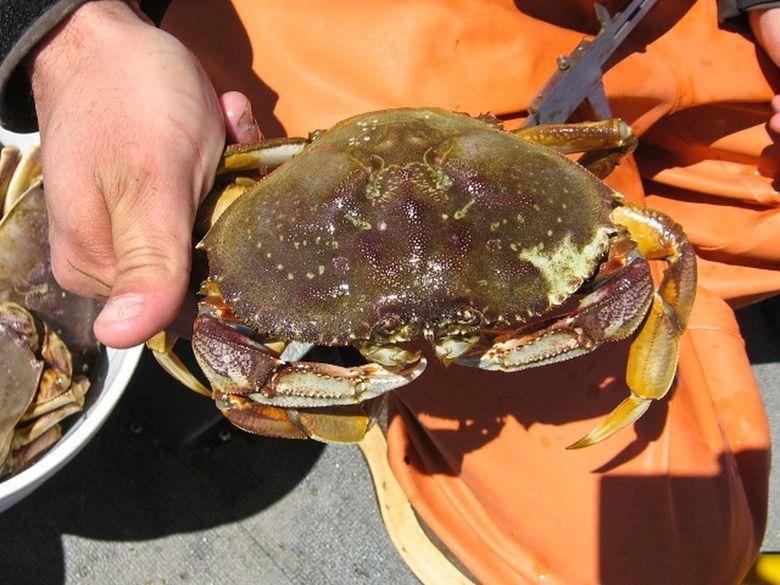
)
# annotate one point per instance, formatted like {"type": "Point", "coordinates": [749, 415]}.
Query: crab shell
{"type": "Point", "coordinates": [403, 222]}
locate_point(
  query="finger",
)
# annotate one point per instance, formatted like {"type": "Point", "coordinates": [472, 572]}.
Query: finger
{"type": "Point", "coordinates": [239, 122]}
{"type": "Point", "coordinates": [152, 245]}
{"type": "Point", "coordinates": [774, 121]}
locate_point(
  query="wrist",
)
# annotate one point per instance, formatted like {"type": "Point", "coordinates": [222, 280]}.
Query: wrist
{"type": "Point", "coordinates": [88, 32]}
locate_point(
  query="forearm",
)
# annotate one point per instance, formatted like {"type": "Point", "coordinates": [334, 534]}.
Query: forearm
{"type": "Point", "coordinates": [24, 26]}
{"type": "Point", "coordinates": [731, 8]}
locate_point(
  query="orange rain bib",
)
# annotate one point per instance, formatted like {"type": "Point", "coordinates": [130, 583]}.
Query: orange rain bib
{"type": "Point", "coordinates": [681, 498]}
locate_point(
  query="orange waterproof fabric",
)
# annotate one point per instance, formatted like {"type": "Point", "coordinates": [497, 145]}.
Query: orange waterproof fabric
{"type": "Point", "coordinates": [680, 498]}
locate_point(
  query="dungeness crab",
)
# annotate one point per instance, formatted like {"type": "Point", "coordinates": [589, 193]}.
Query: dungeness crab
{"type": "Point", "coordinates": [46, 340]}
{"type": "Point", "coordinates": [408, 223]}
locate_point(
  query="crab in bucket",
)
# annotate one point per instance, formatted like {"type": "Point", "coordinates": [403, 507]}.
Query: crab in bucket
{"type": "Point", "coordinates": [46, 339]}
{"type": "Point", "coordinates": [421, 223]}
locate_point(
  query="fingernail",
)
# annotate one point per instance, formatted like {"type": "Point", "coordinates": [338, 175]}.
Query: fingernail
{"type": "Point", "coordinates": [246, 123]}
{"type": "Point", "coordinates": [122, 308]}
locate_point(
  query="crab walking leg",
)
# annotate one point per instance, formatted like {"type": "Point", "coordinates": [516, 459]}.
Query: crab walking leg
{"type": "Point", "coordinates": [268, 154]}
{"type": "Point", "coordinates": [217, 202]}
{"type": "Point", "coordinates": [21, 457]}
{"type": "Point", "coordinates": [161, 346]}
{"type": "Point", "coordinates": [604, 143]}
{"type": "Point", "coordinates": [9, 159]}
{"type": "Point", "coordinates": [344, 424]}
{"type": "Point", "coordinates": [652, 359]}
{"type": "Point", "coordinates": [579, 137]}
{"type": "Point", "coordinates": [25, 174]}
{"type": "Point", "coordinates": [609, 313]}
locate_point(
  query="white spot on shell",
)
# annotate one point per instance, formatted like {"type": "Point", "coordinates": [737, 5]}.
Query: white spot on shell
{"type": "Point", "coordinates": [566, 265]}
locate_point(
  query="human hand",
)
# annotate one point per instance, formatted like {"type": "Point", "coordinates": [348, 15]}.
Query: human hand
{"type": "Point", "coordinates": [132, 133]}
{"type": "Point", "coordinates": [766, 28]}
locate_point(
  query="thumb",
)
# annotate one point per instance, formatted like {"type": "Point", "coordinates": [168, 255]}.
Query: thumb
{"type": "Point", "coordinates": [153, 258]}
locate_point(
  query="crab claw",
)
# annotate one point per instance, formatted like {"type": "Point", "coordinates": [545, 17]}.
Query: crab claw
{"type": "Point", "coordinates": [236, 364]}
{"type": "Point", "coordinates": [312, 384]}
{"type": "Point", "coordinates": [263, 394]}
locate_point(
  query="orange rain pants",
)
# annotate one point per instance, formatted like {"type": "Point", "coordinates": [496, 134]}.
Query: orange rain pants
{"type": "Point", "coordinates": [681, 498]}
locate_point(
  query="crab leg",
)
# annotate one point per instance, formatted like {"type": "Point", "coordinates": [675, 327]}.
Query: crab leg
{"type": "Point", "coordinates": [26, 172]}
{"type": "Point", "coordinates": [343, 426]}
{"type": "Point", "coordinates": [266, 395]}
{"type": "Point", "coordinates": [604, 143]}
{"type": "Point", "coordinates": [609, 313]}
{"type": "Point", "coordinates": [9, 159]}
{"type": "Point", "coordinates": [652, 359]}
{"type": "Point", "coordinates": [236, 364]}
{"type": "Point", "coordinates": [21, 457]}
{"type": "Point", "coordinates": [578, 137]}
{"type": "Point", "coordinates": [339, 424]}
{"type": "Point", "coordinates": [612, 312]}
{"type": "Point", "coordinates": [268, 154]}
{"type": "Point", "coordinates": [161, 346]}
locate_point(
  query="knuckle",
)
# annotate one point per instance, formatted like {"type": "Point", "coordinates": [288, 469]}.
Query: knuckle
{"type": "Point", "coordinates": [153, 261]}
